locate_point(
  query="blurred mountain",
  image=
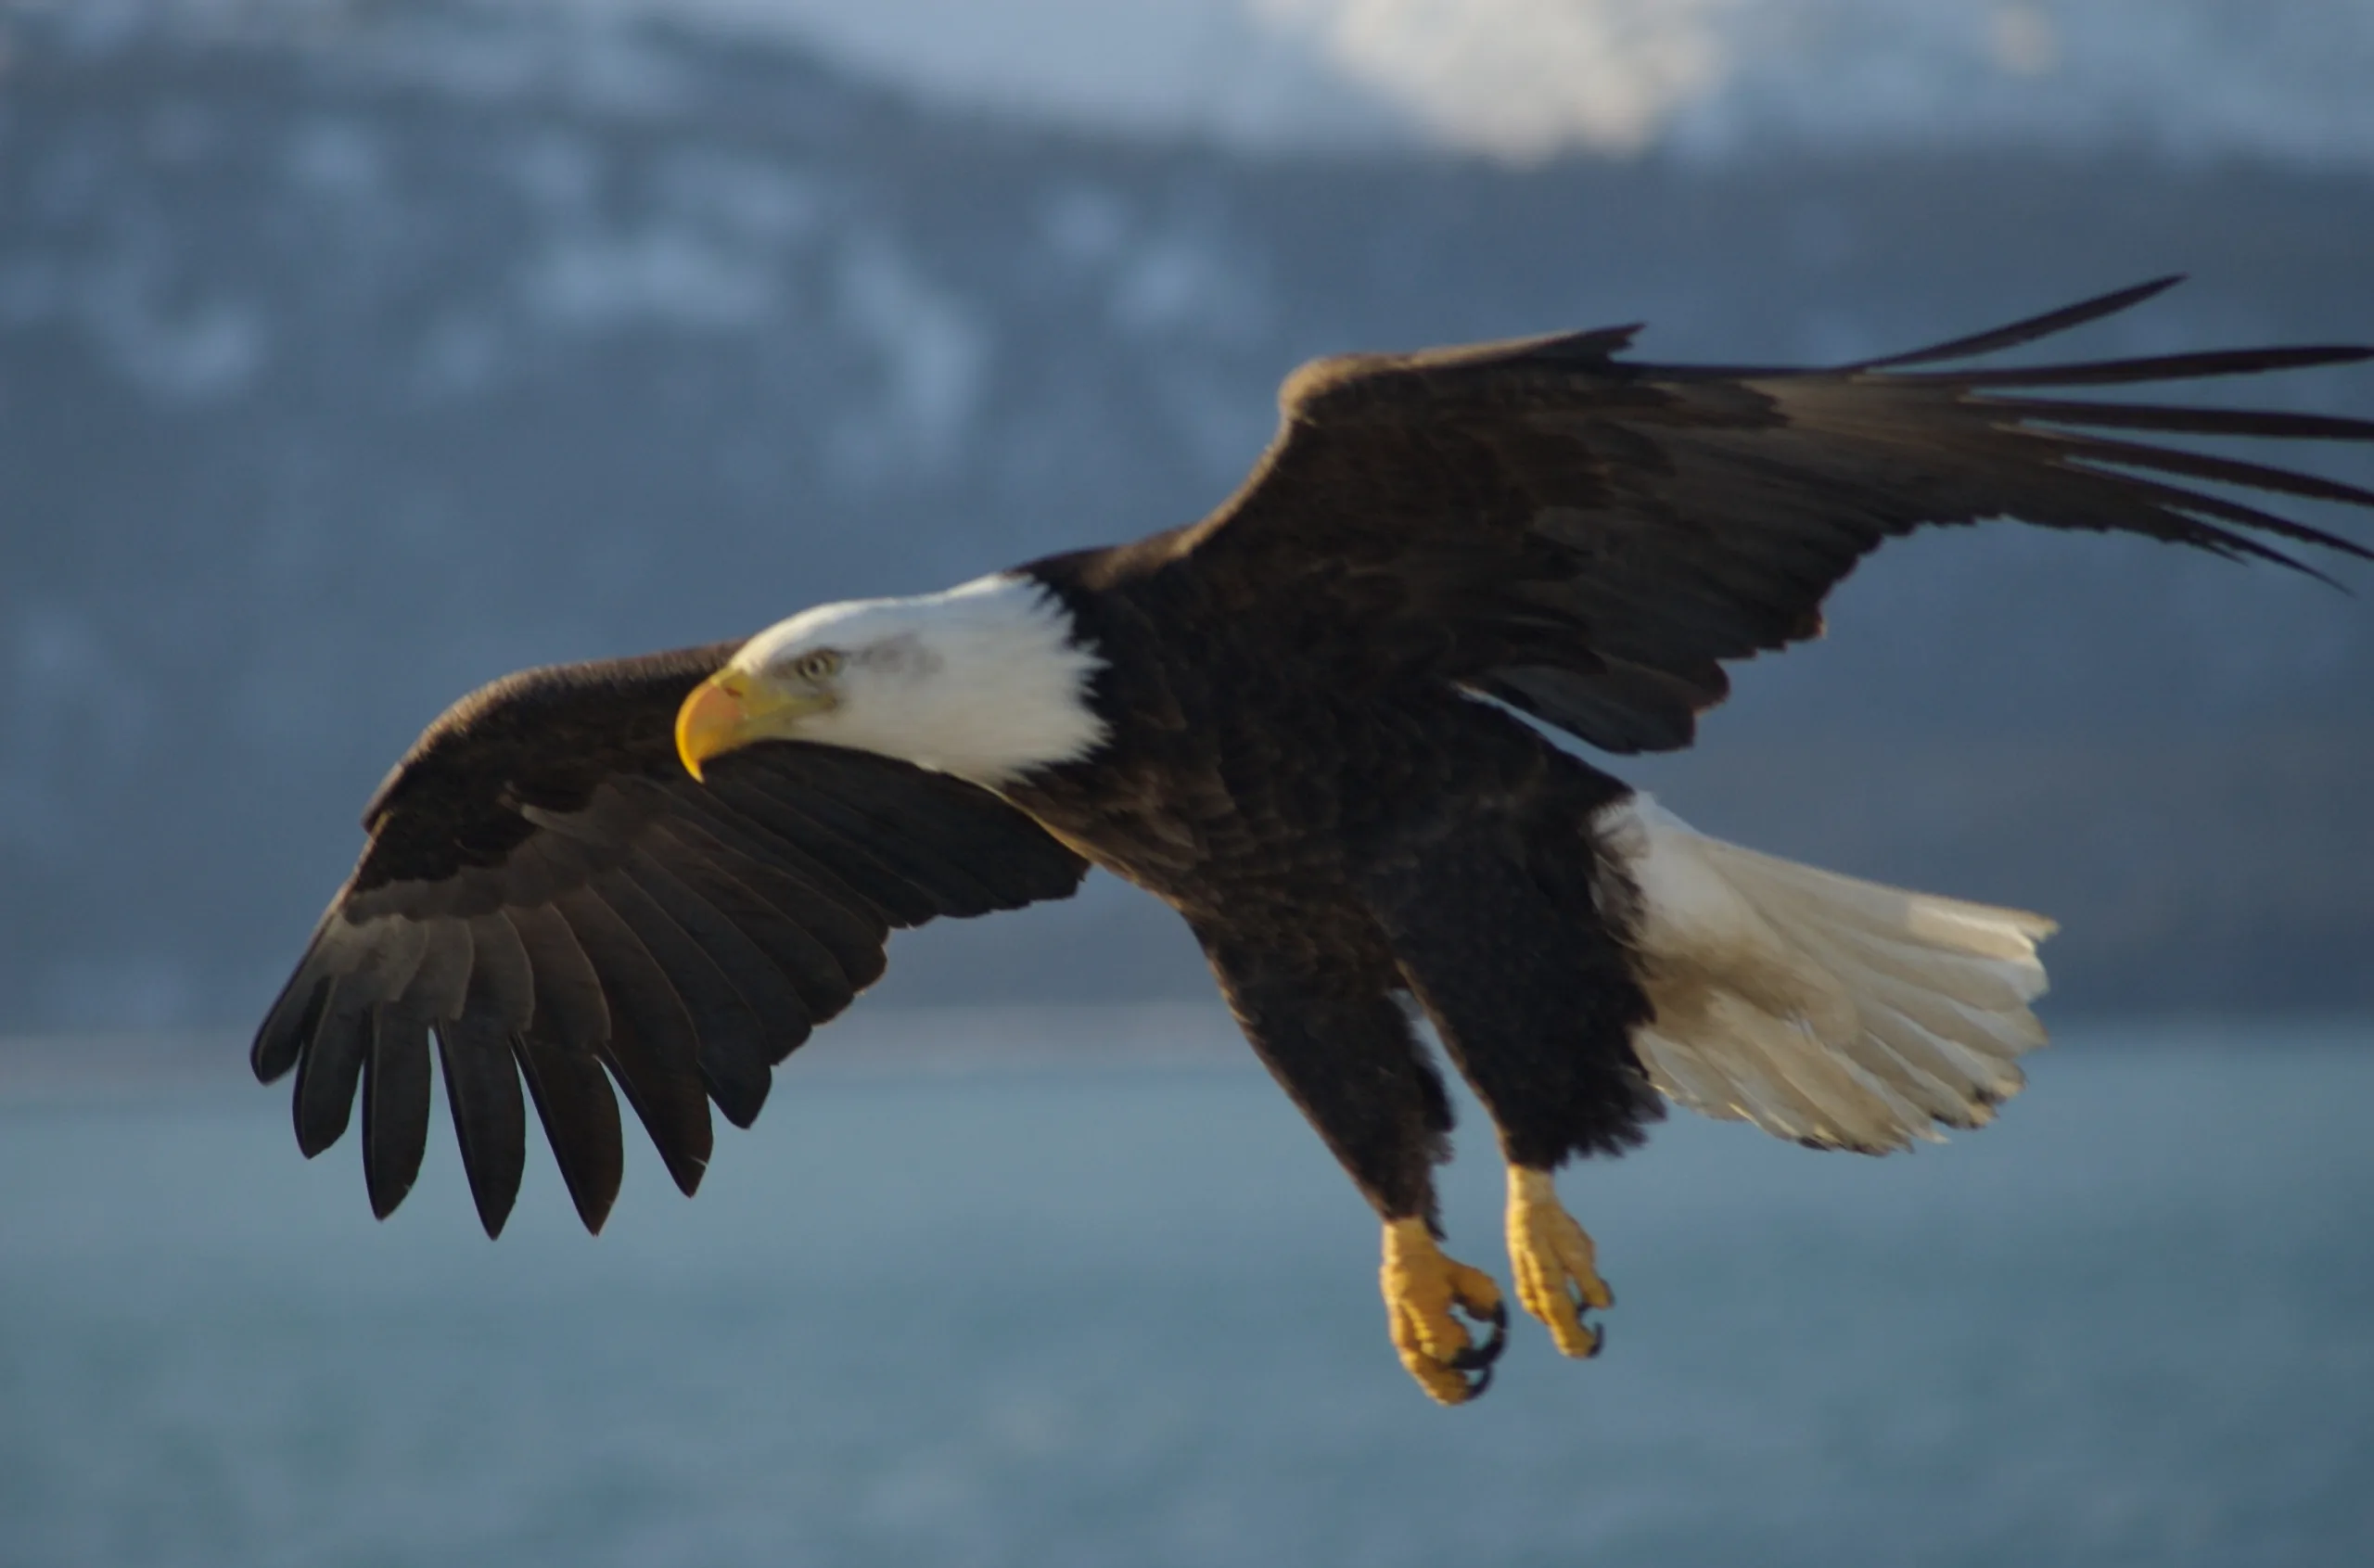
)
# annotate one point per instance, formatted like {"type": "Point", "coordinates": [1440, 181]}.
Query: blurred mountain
{"type": "Point", "coordinates": [1526, 79]}
{"type": "Point", "coordinates": [346, 363]}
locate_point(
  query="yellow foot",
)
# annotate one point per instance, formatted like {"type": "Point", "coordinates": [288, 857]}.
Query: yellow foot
{"type": "Point", "coordinates": [1553, 1259]}
{"type": "Point", "coordinates": [1422, 1285]}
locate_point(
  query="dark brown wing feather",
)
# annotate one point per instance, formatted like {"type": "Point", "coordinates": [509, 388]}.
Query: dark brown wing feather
{"type": "Point", "coordinates": [1589, 539]}
{"type": "Point", "coordinates": [546, 892]}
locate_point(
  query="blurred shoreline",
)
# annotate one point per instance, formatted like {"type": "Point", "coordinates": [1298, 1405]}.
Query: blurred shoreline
{"type": "Point", "coordinates": [933, 1041]}
{"type": "Point", "coordinates": [894, 1041]}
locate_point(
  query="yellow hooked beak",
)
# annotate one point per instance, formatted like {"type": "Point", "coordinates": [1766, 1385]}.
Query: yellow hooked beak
{"type": "Point", "coordinates": [733, 709]}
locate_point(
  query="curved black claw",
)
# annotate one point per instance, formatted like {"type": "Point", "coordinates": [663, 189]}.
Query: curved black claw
{"type": "Point", "coordinates": [1479, 1357]}
{"type": "Point", "coordinates": [1599, 1341]}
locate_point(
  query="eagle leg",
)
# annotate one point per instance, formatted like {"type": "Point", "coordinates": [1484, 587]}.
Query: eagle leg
{"type": "Point", "coordinates": [1553, 1260]}
{"type": "Point", "coordinates": [1421, 1286]}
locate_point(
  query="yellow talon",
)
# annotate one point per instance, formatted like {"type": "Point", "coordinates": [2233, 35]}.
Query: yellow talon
{"type": "Point", "coordinates": [1422, 1285]}
{"type": "Point", "coordinates": [1553, 1262]}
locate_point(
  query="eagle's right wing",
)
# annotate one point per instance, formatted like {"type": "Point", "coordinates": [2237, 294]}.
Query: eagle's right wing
{"type": "Point", "coordinates": [548, 893]}
{"type": "Point", "coordinates": [1591, 538]}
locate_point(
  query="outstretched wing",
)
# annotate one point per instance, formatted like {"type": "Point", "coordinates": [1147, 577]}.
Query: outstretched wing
{"type": "Point", "coordinates": [548, 894]}
{"type": "Point", "coordinates": [1588, 538]}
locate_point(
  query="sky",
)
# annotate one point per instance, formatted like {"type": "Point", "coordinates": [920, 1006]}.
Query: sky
{"type": "Point", "coordinates": [1526, 79]}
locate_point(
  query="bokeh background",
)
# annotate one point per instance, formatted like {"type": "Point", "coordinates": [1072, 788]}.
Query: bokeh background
{"type": "Point", "coordinates": [353, 353]}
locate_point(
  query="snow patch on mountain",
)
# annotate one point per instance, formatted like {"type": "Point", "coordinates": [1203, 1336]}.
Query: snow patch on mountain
{"type": "Point", "coordinates": [1524, 78]}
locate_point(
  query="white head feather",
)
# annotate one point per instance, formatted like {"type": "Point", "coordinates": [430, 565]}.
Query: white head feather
{"type": "Point", "coordinates": [984, 680]}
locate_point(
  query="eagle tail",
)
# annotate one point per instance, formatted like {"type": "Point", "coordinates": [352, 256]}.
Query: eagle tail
{"type": "Point", "coordinates": [1840, 1013]}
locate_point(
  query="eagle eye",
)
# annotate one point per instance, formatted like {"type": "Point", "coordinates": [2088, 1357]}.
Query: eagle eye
{"type": "Point", "coordinates": [821, 665]}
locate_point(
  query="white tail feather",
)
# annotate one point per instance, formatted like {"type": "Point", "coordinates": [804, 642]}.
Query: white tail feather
{"type": "Point", "coordinates": [1835, 1011]}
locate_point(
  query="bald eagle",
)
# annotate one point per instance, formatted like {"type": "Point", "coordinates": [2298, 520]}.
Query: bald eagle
{"type": "Point", "coordinates": [1318, 724]}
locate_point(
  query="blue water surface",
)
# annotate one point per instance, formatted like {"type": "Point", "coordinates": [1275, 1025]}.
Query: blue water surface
{"type": "Point", "coordinates": [1123, 1314]}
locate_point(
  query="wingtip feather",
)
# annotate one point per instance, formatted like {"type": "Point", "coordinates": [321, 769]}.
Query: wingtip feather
{"type": "Point", "coordinates": [2028, 330]}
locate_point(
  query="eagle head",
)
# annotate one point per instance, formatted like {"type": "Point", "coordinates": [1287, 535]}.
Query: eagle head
{"type": "Point", "coordinates": [986, 681]}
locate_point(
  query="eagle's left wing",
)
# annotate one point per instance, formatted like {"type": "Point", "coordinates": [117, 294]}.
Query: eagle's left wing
{"type": "Point", "coordinates": [547, 893]}
{"type": "Point", "coordinates": [1589, 538]}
